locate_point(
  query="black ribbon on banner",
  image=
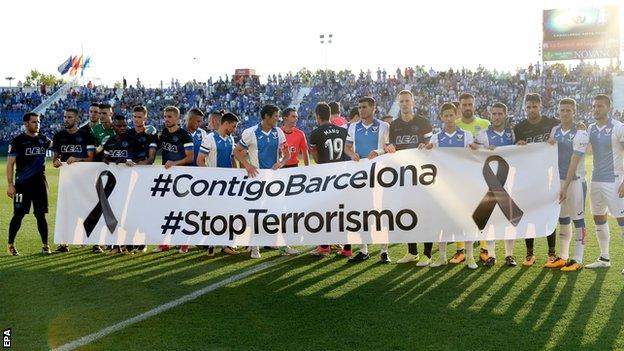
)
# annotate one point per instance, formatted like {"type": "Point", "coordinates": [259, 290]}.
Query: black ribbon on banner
{"type": "Point", "coordinates": [103, 206]}
{"type": "Point", "coordinates": [496, 195]}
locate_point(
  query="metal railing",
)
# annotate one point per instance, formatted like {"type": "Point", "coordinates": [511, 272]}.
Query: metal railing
{"type": "Point", "coordinates": [60, 93]}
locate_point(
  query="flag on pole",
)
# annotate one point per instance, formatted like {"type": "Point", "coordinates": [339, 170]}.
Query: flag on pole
{"type": "Point", "coordinates": [86, 63]}
{"type": "Point", "coordinates": [76, 63]}
{"type": "Point", "coordinates": [65, 66]}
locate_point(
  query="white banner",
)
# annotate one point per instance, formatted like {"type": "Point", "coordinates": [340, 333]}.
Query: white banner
{"type": "Point", "coordinates": [410, 196]}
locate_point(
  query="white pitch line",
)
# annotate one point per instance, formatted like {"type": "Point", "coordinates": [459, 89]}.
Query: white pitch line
{"type": "Point", "coordinates": [85, 340]}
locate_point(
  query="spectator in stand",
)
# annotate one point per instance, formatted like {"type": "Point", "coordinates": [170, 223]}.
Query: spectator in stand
{"type": "Point", "coordinates": [246, 96]}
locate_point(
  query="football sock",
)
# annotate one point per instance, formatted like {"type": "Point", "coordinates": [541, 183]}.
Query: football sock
{"type": "Point", "coordinates": [565, 236]}
{"type": "Point", "coordinates": [602, 233]}
{"type": "Point", "coordinates": [579, 242]}
{"type": "Point", "coordinates": [14, 226]}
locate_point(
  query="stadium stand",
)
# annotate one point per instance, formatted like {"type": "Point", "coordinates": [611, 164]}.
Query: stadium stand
{"type": "Point", "coordinates": [304, 89]}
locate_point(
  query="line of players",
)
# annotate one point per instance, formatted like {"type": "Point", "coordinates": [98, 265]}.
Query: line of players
{"type": "Point", "coordinates": [106, 138]}
{"type": "Point", "coordinates": [265, 146]}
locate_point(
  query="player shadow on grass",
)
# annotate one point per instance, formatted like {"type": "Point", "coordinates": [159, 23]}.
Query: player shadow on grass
{"type": "Point", "coordinates": [442, 308]}
{"type": "Point", "coordinates": [609, 336]}
{"type": "Point", "coordinates": [305, 267]}
{"type": "Point", "coordinates": [78, 257]}
{"type": "Point", "coordinates": [530, 313]}
{"type": "Point", "coordinates": [87, 293]}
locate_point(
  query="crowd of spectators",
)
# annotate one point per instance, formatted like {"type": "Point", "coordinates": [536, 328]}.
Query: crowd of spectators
{"type": "Point", "coordinates": [245, 96]}
{"type": "Point", "coordinates": [13, 103]}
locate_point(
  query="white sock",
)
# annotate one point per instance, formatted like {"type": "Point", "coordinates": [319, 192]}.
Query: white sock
{"type": "Point", "coordinates": [491, 247]}
{"type": "Point", "coordinates": [364, 248]}
{"type": "Point", "coordinates": [384, 248]}
{"type": "Point", "coordinates": [469, 250]}
{"type": "Point", "coordinates": [565, 236]}
{"type": "Point", "coordinates": [579, 244]}
{"type": "Point", "coordinates": [509, 247]}
{"type": "Point", "coordinates": [442, 251]}
{"type": "Point", "coordinates": [602, 233]}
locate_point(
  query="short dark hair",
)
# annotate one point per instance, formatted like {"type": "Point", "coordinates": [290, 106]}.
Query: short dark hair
{"type": "Point", "coordinates": [447, 106]}
{"type": "Point", "coordinates": [195, 112]}
{"type": "Point", "coordinates": [500, 105]}
{"type": "Point", "coordinates": [603, 97]}
{"type": "Point", "coordinates": [334, 107]}
{"type": "Point", "coordinates": [367, 99]}
{"type": "Point", "coordinates": [268, 110]}
{"type": "Point", "coordinates": [72, 110]}
{"type": "Point", "coordinates": [140, 108]}
{"type": "Point", "coordinates": [95, 104]}
{"type": "Point", "coordinates": [287, 111]}
{"type": "Point", "coordinates": [533, 97]}
{"type": "Point", "coordinates": [323, 111]}
{"type": "Point", "coordinates": [104, 106]}
{"type": "Point", "coordinates": [119, 118]}
{"type": "Point", "coordinates": [465, 96]}
{"type": "Point", "coordinates": [568, 101]}
{"type": "Point", "coordinates": [353, 113]}
{"type": "Point", "coordinates": [27, 116]}
{"type": "Point", "coordinates": [229, 117]}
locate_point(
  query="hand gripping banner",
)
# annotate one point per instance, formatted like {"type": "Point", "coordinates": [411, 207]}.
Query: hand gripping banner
{"type": "Point", "coordinates": [496, 195]}
{"type": "Point", "coordinates": [103, 206]}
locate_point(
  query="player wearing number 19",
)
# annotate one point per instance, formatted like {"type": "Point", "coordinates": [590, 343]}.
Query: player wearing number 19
{"type": "Point", "coordinates": [27, 152]}
{"type": "Point", "coordinates": [327, 140]}
{"type": "Point", "coordinates": [326, 146]}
